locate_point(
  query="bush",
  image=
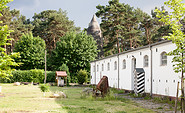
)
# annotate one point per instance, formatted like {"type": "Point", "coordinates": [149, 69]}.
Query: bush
{"type": "Point", "coordinates": [35, 75]}
{"type": "Point", "coordinates": [82, 76]}
{"type": "Point", "coordinates": [50, 76]}
{"type": "Point", "coordinates": [44, 87]}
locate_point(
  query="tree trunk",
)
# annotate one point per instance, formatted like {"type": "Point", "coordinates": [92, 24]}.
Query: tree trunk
{"type": "Point", "coordinates": [130, 41]}
{"type": "Point", "coordinates": [147, 34]}
{"type": "Point", "coordinates": [45, 68]}
{"type": "Point", "coordinates": [117, 41]}
{"type": "Point", "coordinates": [182, 88]}
{"type": "Point", "coordinates": [176, 100]}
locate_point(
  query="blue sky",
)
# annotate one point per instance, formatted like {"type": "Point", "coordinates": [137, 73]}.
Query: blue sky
{"type": "Point", "coordinates": [80, 11]}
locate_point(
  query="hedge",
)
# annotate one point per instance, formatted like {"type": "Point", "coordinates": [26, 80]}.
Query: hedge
{"type": "Point", "coordinates": [35, 75]}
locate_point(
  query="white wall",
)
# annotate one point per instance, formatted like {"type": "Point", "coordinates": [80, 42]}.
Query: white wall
{"type": "Point", "coordinates": [164, 80]}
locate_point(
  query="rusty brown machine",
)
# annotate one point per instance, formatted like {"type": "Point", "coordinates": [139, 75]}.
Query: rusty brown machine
{"type": "Point", "coordinates": [103, 86]}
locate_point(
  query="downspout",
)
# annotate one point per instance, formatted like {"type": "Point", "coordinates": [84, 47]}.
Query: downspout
{"type": "Point", "coordinates": [118, 71]}
{"type": "Point", "coordinates": [95, 73]}
{"type": "Point", "coordinates": [151, 69]}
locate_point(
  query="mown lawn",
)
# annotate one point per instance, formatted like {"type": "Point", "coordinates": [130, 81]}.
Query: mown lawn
{"type": "Point", "coordinates": [28, 98]}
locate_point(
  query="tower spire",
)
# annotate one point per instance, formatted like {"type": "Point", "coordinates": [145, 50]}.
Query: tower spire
{"type": "Point", "coordinates": [95, 31]}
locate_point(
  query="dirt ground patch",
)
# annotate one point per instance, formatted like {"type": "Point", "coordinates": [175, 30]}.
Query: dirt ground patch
{"type": "Point", "coordinates": [150, 104]}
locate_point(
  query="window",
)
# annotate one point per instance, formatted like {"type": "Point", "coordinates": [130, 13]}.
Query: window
{"type": "Point", "coordinates": [124, 64]}
{"type": "Point", "coordinates": [94, 68]}
{"type": "Point", "coordinates": [115, 65]}
{"type": "Point", "coordinates": [97, 68]}
{"type": "Point", "coordinates": [108, 66]}
{"type": "Point", "coordinates": [145, 61]}
{"type": "Point", "coordinates": [102, 67]}
{"type": "Point", "coordinates": [163, 59]}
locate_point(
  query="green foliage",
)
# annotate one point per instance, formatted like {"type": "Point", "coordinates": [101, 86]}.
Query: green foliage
{"type": "Point", "coordinates": [44, 87]}
{"type": "Point", "coordinates": [82, 76]}
{"type": "Point", "coordinates": [125, 27]}
{"type": "Point", "coordinates": [50, 76]}
{"type": "Point", "coordinates": [6, 61]}
{"type": "Point", "coordinates": [76, 50]}
{"type": "Point", "coordinates": [17, 23]}
{"type": "Point", "coordinates": [177, 36]}
{"type": "Point", "coordinates": [35, 75]}
{"type": "Point", "coordinates": [50, 25]}
{"type": "Point", "coordinates": [31, 51]}
{"type": "Point", "coordinates": [119, 25]}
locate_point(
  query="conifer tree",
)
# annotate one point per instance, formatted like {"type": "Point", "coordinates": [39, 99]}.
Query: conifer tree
{"type": "Point", "coordinates": [17, 23]}
{"type": "Point", "coordinates": [50, 25]}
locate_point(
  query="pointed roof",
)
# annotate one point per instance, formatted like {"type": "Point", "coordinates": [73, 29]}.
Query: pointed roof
{"type": "Point", "coordinates": [94, 23]}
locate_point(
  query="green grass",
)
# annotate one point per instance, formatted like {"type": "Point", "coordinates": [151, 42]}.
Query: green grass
{"type": "Point", "coordinates": [30, 99]}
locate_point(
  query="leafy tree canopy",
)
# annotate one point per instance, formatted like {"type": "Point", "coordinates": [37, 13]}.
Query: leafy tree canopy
{"type": "Point", "coordinates": [17, 23]}
{"type": "Point", "coordinates": [32, 52]}
{"type": "Point", "coordinates": [6, 61]}
{"type": "Point", "coordinates": [52, 24]}
{"type": "Point", "coordinates": [76, 50]}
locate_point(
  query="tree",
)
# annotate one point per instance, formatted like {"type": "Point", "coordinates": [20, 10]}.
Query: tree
{"type": "Point", "coordinates": [82, 76]}
{"type": "Point", "coordinates": [50, 25]}
{"type": "Point", "coordinates": [120, 26]}
{"type": "Point", "coordinates": [177, 36]}
{"type": "Point", "coordinates": [17, 23]}
{"type": "Point", "coordinates": [32, 52]}
{"type": "Point", "coordinates": [6, 61]}
{"type": "Point", "coordinates": [76, 50]}
{"type": "Point", "coordinates": [159, 28]}
{"type": "Point", "coordinates": [112, 21]}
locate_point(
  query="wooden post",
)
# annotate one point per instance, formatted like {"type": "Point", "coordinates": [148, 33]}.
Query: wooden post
{"type": "Point", "coordinates": [176, 100]}
{"type": "Point", "coordinates": [45, 68]}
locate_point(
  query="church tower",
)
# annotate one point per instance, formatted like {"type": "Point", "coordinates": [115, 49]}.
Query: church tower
{"type": "Point", "coordinates": [95, 31]}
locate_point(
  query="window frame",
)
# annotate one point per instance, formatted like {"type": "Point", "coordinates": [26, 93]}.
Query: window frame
{"type": "Point", "coordinates": [108, 66]}
{"type": "Point", "coordinates": [145, 61]}
{"type": "Point", "coordinates": [115, 65]}
{"type": "Point", "coordinates": [124, 64]}
{"type": "Point", "coordinates": [163, 58]}
{"type": "Point", "coordinates": [102, 67]}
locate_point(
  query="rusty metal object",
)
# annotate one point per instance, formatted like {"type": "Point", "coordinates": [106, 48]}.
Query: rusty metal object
{"type": "Point", "coordinates": [103, 86]}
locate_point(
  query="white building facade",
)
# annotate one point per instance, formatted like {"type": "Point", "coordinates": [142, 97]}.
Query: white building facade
{"type": "Point", "coordinates": [159, 77]}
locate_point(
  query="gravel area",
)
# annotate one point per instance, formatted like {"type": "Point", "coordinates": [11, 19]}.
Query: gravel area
{"type": "Point", "coordinates": [149, 104]}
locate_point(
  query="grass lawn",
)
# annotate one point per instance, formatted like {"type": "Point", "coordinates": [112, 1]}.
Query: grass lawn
{"type": "Point", "coordinates": [27, 98]}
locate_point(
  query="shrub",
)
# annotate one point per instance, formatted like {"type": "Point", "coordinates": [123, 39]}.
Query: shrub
{"type": "Point", "coordinates": [35, 75]}
{"type": "Point", "coordinates": [50, 76]}
{"type": "Point", "coordinates": [82, 76]}
{"type": "Point", "coordinates": [44, 87]}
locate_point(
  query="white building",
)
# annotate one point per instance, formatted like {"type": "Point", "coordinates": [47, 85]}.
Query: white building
{"type": "Point", "coordinates": [159, 78]}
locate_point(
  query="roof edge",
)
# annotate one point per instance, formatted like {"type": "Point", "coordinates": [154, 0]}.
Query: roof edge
{"type": "Point", "coordinates": [135, 49]}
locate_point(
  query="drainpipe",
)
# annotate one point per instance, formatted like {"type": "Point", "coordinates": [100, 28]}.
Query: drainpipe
{"type": "Point", "coordinates": [151, 79]}
{"type": "Point", "coordinates": [95, 73]}
{"type": "Point", "coordinates": [118, 71]}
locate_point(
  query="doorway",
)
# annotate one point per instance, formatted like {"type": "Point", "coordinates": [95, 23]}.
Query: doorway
{"type": "Point", "coordinates": [132, 72]}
